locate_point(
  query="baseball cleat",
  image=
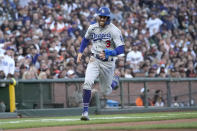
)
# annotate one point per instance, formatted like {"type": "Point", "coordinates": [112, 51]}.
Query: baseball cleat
{"type": "Point", "coordinates": [84, 116]}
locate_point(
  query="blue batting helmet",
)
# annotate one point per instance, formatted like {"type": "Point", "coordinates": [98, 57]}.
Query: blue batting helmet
{"type": "Point", "coordinates": [104, 11]}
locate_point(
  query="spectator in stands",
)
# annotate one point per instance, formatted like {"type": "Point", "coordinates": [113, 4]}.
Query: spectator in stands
{"type": "Point", "coordinates": [175, 102]}
{"type": "Point", "coordinates": [153, 24]}
{"type": "Point", "coordinates": [2, 76]}
{"type": "Point", "coordinates": [162, 72]}
{"type": "Point", "coordinates": [7, 63]}
{"type": "Point", "coordinates": [182, 71]}
{"type": "Point", "coordinates": [153, 71]}
{"type": "Point", "coordinates": [34, 54]}
{"type": "Point", "coordinates": [140, 101]}
{"type": "Point", "coordinates": [158, 99]}
{"type": "Point", "coordinates": [135, 58]}
{"type": "Point", "coordinates": [190, 70]}
{"type": "Point", "coordinates": [145, 69]}
{"type": "Point", "coordinates": [129, 73]}
{"type": "Point", "coordinates": [17, 73]}
{"type": "Point", "coordinates": [80, 71]}
{"type": "Point", "coordinates": [174, 73]}
{"type": "Point", "coordinates": [2, 106]}
{"type": "Point", "coordinates": [121, 66]}
{"type": "Point", "coordinates": [71, 74]}
{"type": "Point", "coordinates": [43, 75]}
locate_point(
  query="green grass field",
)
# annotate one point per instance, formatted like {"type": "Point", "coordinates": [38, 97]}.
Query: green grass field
{"type": "Point", "coordinates": [101, 119]}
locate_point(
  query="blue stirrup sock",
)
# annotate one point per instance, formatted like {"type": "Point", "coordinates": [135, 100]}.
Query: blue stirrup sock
{"type": "Point", "coordinates": [114, 84]}
{"type": "Point", "coordinates": [86, 99]}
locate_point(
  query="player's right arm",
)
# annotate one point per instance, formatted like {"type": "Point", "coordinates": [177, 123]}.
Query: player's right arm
{"type": "Point", "coordinates": [79, 57]}
{"type": "Point", "coordinates": [84, 43]}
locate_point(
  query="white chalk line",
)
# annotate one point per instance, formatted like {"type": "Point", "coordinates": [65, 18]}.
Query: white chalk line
{"type": "Point", "coordinates": [93, 118]}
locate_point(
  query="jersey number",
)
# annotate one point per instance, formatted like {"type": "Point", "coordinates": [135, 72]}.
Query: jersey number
{"type": "Point", "coordinates": [108, 43]}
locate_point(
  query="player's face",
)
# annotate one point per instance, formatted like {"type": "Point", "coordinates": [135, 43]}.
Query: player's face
{"type": "Point", "coordinates": [102, 20]}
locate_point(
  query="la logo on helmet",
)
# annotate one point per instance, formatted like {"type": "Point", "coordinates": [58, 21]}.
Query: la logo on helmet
{"type": "Point", "coordinates": [103, 11]}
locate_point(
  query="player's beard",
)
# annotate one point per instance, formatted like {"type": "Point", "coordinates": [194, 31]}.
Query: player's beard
{"type": "Point", "coordinates": [102, 23]}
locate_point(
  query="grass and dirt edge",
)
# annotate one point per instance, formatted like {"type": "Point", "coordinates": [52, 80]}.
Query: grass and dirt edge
{"type": "Point", "coordinates": [137, 117]}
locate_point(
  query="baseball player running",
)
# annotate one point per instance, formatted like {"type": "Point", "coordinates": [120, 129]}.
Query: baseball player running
{"type": "Point", "coordinates": [107, 43]}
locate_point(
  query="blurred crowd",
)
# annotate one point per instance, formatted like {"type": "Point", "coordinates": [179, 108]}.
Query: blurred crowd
{"type": "Point", "coordinates": [43, 37]}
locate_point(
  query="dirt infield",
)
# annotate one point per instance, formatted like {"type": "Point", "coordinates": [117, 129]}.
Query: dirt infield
{"type": "Point", "coordinates": [68, 128]}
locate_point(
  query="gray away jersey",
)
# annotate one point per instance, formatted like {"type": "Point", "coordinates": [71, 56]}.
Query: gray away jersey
{"type": "Point", "coordinates": [108, 37]}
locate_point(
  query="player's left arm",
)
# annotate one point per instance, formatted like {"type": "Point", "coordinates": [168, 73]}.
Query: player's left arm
{"type": "Point", "coordinates": [117, 51]}
{"type": "Point", "coordinates": [118, 40]}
